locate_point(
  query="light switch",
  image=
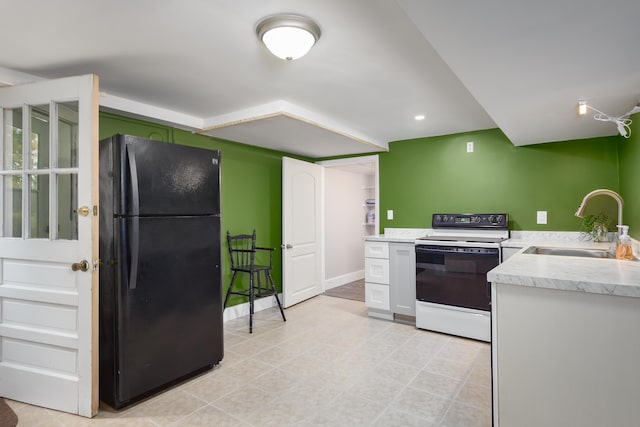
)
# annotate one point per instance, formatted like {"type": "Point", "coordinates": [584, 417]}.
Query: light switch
{"type": "Point", "coordinates": [390, 214]}
{"type": "Point", "coordinates": [541, 217]}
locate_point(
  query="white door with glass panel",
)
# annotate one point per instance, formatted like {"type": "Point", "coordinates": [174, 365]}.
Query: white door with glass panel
{"type": "Point", "coordinates": [48, 244]}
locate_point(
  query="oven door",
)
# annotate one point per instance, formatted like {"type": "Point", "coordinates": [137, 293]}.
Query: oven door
{"type": "Point", "coordinates": [455, 275]}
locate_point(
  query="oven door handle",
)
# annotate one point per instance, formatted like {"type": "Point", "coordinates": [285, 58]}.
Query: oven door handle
{"type": "Point", "coordinates": [455, 250]}
{"type": "Point", "coordinates": [444, 250]}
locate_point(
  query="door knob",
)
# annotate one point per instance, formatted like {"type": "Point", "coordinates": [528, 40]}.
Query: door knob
{"type": "Point", "coordinates": [83, 210]}
{"type": "Point", "coordinates": [82, 265]}
{"type": "Point", "coordinates": [287, 246]}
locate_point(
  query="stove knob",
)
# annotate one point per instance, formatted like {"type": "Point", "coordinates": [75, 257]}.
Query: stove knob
{"type": "Point", "coordinates": [492, 218]}
{"type": "Point", "coordinates": [499, 218]}
{"type": "Point", "coordinates": [438, 218]}
{"type": "Point", "coordinates": [477, 219]}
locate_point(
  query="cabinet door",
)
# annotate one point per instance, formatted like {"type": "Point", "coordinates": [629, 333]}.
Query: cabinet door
{"type": "Point", "coordinates": [402, 278]}
{"type": "Point", "coordinates": [376, 270]}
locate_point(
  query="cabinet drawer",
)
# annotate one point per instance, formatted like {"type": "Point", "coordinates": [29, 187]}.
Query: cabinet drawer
{"type": "Point", "coordinates": [376, 296]}
{"type": "Point", "coordinates": [376, 250]}
{"type": "Point", "coordinates": [376, 270]}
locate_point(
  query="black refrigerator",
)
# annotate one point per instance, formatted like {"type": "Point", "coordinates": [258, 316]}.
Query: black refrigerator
{"type": "Point", "coordinates": [160, 294]}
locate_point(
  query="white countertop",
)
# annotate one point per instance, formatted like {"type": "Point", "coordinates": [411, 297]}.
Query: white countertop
{"type": "Point", "coordinates": [594, 275]}
{"type": "Point", "coordinates": [399, 235]}
{"type": "Point", "coordinates": [390, 239]}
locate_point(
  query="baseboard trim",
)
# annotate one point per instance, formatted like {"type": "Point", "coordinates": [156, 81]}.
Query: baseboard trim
{"type": "Point", "coordinates": [334, 282]}
{"type": "Point", "coordinates": [241, 310]}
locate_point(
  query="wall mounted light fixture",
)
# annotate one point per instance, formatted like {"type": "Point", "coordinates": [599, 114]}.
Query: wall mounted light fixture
{"type": "Point", "coordinates": [623, 122]}
{"type": "Point", "coordinates": [582, 107]}
{"type": "Point", "coordinates": [288, 36]}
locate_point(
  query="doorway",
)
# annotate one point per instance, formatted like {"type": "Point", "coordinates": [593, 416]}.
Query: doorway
{"type": "Point", "coordinates": [351, 214]}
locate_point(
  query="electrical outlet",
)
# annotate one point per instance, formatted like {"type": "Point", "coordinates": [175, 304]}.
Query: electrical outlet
{"type": "Point", "coordinates": [541, 217]}
{"type": "Point", "coordinates": [470, 147]}
{"type": "Point", "coordinates": [390, 214]}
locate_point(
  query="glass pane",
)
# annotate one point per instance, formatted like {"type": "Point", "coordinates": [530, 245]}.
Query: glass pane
{"type": "Point", "coordinates": [39, 224]}
{"type": "Point", "coordinates": [40, 137]}
{"type": "Point", "coordinates": [67, 202]}
{"type": "Point", "coordinates": [68, 135]}
{"type": "Point", "coordinates": [12, 205]}
{"type": "Point", "coordinates": [13, 139]}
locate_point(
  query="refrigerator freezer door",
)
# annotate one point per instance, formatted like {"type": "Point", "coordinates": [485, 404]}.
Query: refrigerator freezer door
{"type": "Point", "coordinates": [170, 322]}
{"type": "Point", "coordinates": [160, 178]}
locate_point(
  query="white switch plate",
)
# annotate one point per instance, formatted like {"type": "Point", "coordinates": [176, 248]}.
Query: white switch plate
{"type": "Point", "coordinates": [390, 214]}
{"type": "Point", "coordinates": [470, 147]}
{"type": "Point", "coordinates": [541, 217]}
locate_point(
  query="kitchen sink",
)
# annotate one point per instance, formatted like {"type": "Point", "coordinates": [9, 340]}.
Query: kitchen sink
{"type": "Point", "coordinates": [585, 253]}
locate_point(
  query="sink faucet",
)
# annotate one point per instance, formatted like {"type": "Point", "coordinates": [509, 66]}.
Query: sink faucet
{"type": "Point", "coordinates": [601, 192]}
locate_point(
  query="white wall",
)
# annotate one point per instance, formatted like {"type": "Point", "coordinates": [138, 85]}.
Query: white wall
{"type": "Point", "coordinates": [344, 232]}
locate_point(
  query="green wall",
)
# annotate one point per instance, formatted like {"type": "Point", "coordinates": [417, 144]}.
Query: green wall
{"type": "Point", "coordinates": [630, 177]}
{"type": "Point", "coordinates": [423, 176]}
{"type": "Point", "coordinates": [251, 193]}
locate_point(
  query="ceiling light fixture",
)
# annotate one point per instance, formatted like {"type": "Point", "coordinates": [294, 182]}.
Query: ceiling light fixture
{"type": "Point", "coordinates": [623, 122]}
{"type": "Point", "coordinates": [419, 117]}
{"type": "Point", "coordinates": [288, 36]}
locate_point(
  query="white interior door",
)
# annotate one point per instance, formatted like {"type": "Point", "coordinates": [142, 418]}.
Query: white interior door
{"type": "Point", "coordinates": [302, 234]}
{"type": "Point", "coordinates": [48, 195]}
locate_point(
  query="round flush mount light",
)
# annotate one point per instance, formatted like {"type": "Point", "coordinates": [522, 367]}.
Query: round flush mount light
{"type": "Point", "coordinates": [419, 117]}
{"type": "Point", "coordinates": [288, 36]}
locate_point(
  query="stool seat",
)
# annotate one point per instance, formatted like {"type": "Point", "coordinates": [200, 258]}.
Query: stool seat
{"type": "Point", "coordinates": [249, 268]}
{"type": "Point", "coordinates": [242, 252]}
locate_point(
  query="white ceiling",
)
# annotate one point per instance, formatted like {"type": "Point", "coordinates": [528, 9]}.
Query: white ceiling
{"type": "Point", "coordinates": [467, 65]}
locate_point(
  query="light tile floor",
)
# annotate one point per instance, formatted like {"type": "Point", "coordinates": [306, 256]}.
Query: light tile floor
{"type": "Point", "coordinates": [328, 365]}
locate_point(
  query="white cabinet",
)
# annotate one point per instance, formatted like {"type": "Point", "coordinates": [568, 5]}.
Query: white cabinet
{"type": "Point", "coordinates": [402, 278]}
{"type": "Point", "coordinates": [572, 355]}
{"type": "Point", "coordinates": [376, 279]}
{"type": "Point", "coordinates": [390, 279]}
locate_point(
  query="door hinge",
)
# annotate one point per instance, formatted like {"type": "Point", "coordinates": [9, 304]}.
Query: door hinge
{"type": "Point", "coordinates": [95, 210]}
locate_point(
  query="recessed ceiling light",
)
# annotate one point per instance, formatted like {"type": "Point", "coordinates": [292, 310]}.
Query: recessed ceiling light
{"type": "Point", "coordinates": [419, 117]}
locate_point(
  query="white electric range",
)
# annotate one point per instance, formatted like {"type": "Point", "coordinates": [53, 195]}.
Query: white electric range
{"type": "Point", "coordinates": [452, 292]}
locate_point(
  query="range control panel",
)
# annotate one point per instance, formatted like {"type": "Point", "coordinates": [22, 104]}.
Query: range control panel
{"type": "Point", "coordinates": [494, 221]}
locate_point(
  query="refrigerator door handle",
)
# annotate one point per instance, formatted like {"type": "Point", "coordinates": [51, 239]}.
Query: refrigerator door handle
{"type": "Point", "coordinates": [133, 172]}
{"type": "Point", "coordinates": [135, 249]}
{"type": "Point", "coordinates": [135, 225]}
